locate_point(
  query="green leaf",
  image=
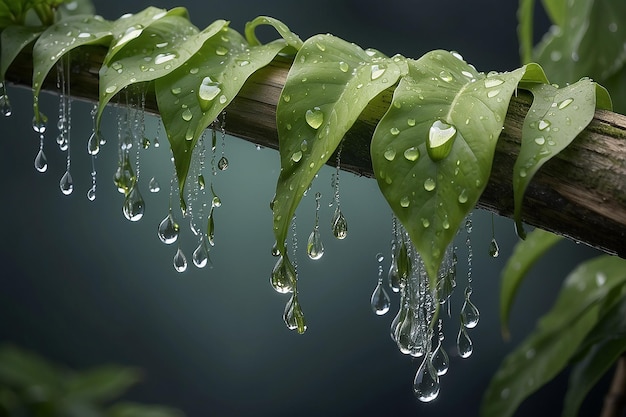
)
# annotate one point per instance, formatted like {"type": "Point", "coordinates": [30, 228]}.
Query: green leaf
{"type": "Point", "coordinates": [291, 38]}
{"type": "Point", "coordinates": [139, 410]}
{"type": "Point", "coordinates": [433, 149]}
{"type": "Point", "coordinates": [22, 369]}
{"type": "Point", "coordinates": [101, 384]}
{"type": "Point", "coordinates": [588, 43]}
{"type": "Point", "coordinates": [59, 39]}
{"type": "Point", "coordinates": [525, 19]}
{"type": "Point", "coordinates": [13, 40]}
{"type": "Point", "coordinates": [13, 12]}
{"type": "Point", "coordinates": [74, 8]}
{"type": "Point", "coordinates": [191, 97]}
{"type": "Point", "coordinates": [557, 337]}
{"type": "Point", "coordinates": [329, 84]}
{"type": "Point", "coordinates": [525, 255]}
{"type": "Point", "coordinates": [610, 343]}
{"type": "Point", "coordinates": [555, 118]}
{"type": "Point", "coordinates": [156, 51]}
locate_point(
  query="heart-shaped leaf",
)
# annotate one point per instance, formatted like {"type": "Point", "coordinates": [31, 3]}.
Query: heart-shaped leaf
{"type": "Point", "coordinates": [329, 84]}
{"type": "Point", "coordinates": [59, 39]}
{"type": "Point", "coordinates": [158, 50]}
{"type": "Point", "coordinates": [557, 337]}
{"type": "Point", "coordinates": [192, 96]}
{"type": "Point", "coordinates": [555, 118]}
{"type": "Point", "coordinates": [433, 149]}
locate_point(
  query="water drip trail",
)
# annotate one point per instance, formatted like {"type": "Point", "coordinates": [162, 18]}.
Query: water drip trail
{"type": "Point", "coordinates": [339, 226]}
{"type": "Point", "coordinates": [66, 184]}
{"type": "Point", "coordinates": [380, 301]}
{"type": "Point", "coordinates": [315, 247]}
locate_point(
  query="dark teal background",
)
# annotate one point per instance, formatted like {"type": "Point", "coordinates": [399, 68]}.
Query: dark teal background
{"type": "Point", "coordinates": [83, 286]}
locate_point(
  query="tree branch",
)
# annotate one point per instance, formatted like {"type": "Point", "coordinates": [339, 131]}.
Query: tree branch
{"type": "Point", "coordinates": [580, 194]}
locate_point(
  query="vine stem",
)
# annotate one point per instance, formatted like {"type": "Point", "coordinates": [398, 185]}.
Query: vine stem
{"type": "Point", "coordinates": [615, 399]}
{"type": "Point", "coordinates": [580, 194]}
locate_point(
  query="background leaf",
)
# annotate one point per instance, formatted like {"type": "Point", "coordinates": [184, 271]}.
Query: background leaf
{"type": "Point", "coordinates": [101, 384]}
{"type": "Point", "coordinates": [554, 119]}
{"type": "Point", "coordinates": [13, 40]}
{"type": "Point", "coordinates": [329, 84]}
{"type": "Point", "coordinates": [140, 410]}
{"type": "Point", "coordinates": [524, 256]}
{"type": "Point", "coordinates": [192, 96]}
{"type": "Point", "coordinates": [557, 337]}
{"type": "Point", "coordinates": [431, 194]}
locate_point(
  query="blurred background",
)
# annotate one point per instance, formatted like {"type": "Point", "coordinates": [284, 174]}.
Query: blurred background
{"type": "Point", "coordinates": [83, 286]}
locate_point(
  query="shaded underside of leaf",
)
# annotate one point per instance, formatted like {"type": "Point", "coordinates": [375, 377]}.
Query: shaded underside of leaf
{"type": "Point", "coordinates": [555, 118]}
{"type": "Point", "coordinates": [557, 337]}
{"type": "Point", "coordinates": [13, 40]}
{"type": "Point", "coordinates": [524, 256]}
{"type": "Point", "coordinates": [433, 149]}
{"type": "Point", "coordinates": [191, 97]}
{"type": "Point", "coordinates": [329, 84]}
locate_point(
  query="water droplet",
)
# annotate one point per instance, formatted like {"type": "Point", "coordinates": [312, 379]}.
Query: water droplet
{"type": "Point", "coordinates": [187, 115]}
{"type": "Point", "coordinates": [410, 122]}
{"type": "Point", "coordinates": [180, 261]}
{"type": "Point", "coordinates": [207, 92]}
{"type": "Point", "coordinates": [377, 71]}
{"type": "Point", "coordinates": [93, 144]}
{"type": "Point", "coordinates": [523, 173]}
{"type": "Point", "coordinates": [283, 277]}
{"type": "Point", "coordinates": [124, 177]}
{"type": "Point", "coordinates": [390, 153]}
{"type": "Point", "coordinates": [66, 184]}
{"type": "Point", "coordinates": [491, 82]}
{"type": "Point", "coordinates": [426, 383]}
{"type": "Point", "coordinates": [5, 104]}
{"type": "Point", "coordinates": [222, 164]}
{"type": "Point", "coordinates": [314, 117]}
{"type": "Point", "coordinates": [469, 312]}
{"type": "Point", "coordinates": [464, 343]}
{"type": "Point", "coordinates": [221, 51]}
{"type": "Point", "coordinates": [425, 222]}
{"type": "Point", "coordinates": [404, 202]}
{"type": "Point", "coordinates": [41, 162]}
{"type": "Point", "coordinates": [543, 124]}
{"type": "Point", "coordinates": [493, 93]}
{"type": "Point", "coordinates": [339, 225]}
{"type": "Point", "coordinates": [494, 249]}
{"type": "Point", "coordinates": [134, 205]}
{"type": "Point", "coordinates": [540, 140]}
{"type": "Point", "coordinates": [154, 186]}
{"type": "Point", "coordinates": [200, 255]}
{"type": "Point", "coordinates": [446, 76]}
{"type": "Point", "coordinates": [440, 360]}
{"type": "Point", "coordinates": [394, 131]}
{"type": "Point", "coordinates": [380, 300]}
{"type": "Point", "coordinates": [344, 67]}
{"type": "Point", "coordinates": [314, 246]}
{"type": "Point", "coordinates": [412, 153]}
{"type": "Point", "coordinates": [286, 98]}
{"type": "Point", "coordinates": [111, 89]}
{"type": "Point", "coordinates": [289, 316]}
{"type": "Point", "coordinates": [463, 197]}
{"type": "Point", "coordinates": [168, 230]}
{"type": "Point", "coordinates": [91, 193]}
{"type": "Point", "coordinates": [223, 99]}
{"type": "Point", "coordinates": [563, 104]}
{"type": "Point", "coordinates": [440, 140]}
{"type": "Point", "coordinates": [163, 58]}
{"type": "Point", "coordinates": [39, 126]}
{"type": "Point", "coordinates": [429, 184]}
{"type": "Point", "coordinates": [176, 90]}
{"type": "Point", "coordinates": [297, 156]}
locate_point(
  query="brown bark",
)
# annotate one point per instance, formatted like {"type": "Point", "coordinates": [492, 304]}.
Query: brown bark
{"type": "Point", "coordinates": [580, 194]}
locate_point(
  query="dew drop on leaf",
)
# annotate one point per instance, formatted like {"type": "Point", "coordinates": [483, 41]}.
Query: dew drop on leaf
{"type": "Point", "coordinates": [314, 117]}
{"type": "Point", "coordinates": [441, 137]}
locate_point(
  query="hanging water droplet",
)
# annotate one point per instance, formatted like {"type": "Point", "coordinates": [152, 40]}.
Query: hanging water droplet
{"type": "Point", "coordinates": [134, 205]}
{"type": "Point", "coordinates": [380, 300]}
{"type": "Point", "coordinates": [339, 224]}
{"type": "Point", "coordinates": [469, 313]}
{"type": "Point", "coordinates": [314, 117]}
{"type": "Point", "coordinates": [441, 137]}
{"type": "Point", "coordinates": [5, 104]}
{"type": "Point", "coordinates": [154, 186]}
{"type": "Point", "coordinates": [426, 383]}
{"type": "Point", "coordinates": [168, 229]}
{"type": "Point", "coordinates": [91, 194]}
{"type": "Point", "coordinates": [200, 255]}
{"type": "Point", "coordinates": [124, 177]}
{"type": "Point", "coordinates": [39, 126]}
{"type": "Point", "coordinates": [314, 246]}
{"type": "Point", "coordinates": [222, 164]}
{"type": "Point", "coordinates": [494, 249]}
{"type": "Point", "coordinates": [393, 277]}
{"type": "Point", "coordinates": [464, 343]}
{"type": "Point", "coordinates": [289, 315]}
{"type": "Point", "coordinates": [180, 261]}
{"type": "Point", "coordinates": [66, 184]}
{"type": "Point", "coordinates": [283, 277]}
{"type": "Point", "coordinates": [41, 162]}
{"type": "Point", "coordinates": [440, 359]}
{"type": "Point", "coordinates": [210, 230]}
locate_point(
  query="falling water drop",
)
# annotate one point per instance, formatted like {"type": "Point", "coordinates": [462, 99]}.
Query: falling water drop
{"type": "Point", "coordinates": [180, 261]}
{"type": "Point", "coordinates": [134, 206]}
{"type": "Point", "coordinates": [314, 247]}
{"type": "Point", "coordinates": [153, 185]}
{"type": "Point", "coordinates": [93, 144]}
{"type": "Point", "coordinates": [494, 249]}
{"type": "Point", "coordinates": [41, 162]}
{"type": "Point", "coordinates": [380, 300]}
{"type": "Point", "coordinates": [426, 383]}
{"type": "Point", "coordinates": [339, 224]}
{"type": "Point", "coordinates": [464, 343]}
{"type": "Point", "coordinates": [210, 230]}
{"type": "Point", "coordinates": [283, 277]}
{"type": "Point", "coordinates": [222, 164]}
{"type": "Point", "coordinates": [66, 184]}
{"type": "Point", "coordinates": [91, 194]}
{"type": "Point", "coordinates": [393, 277]}
{"type": "Point", "coordinates": [168, 229]}
{"type": "Point", "coordinates": [201, 254]}
{"type": "Point", "coordinates": [440, 359]}
{"type": "Point", "coordinates": [289, 315]}
{"type": "Point", "coordinates": [469, 313]}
